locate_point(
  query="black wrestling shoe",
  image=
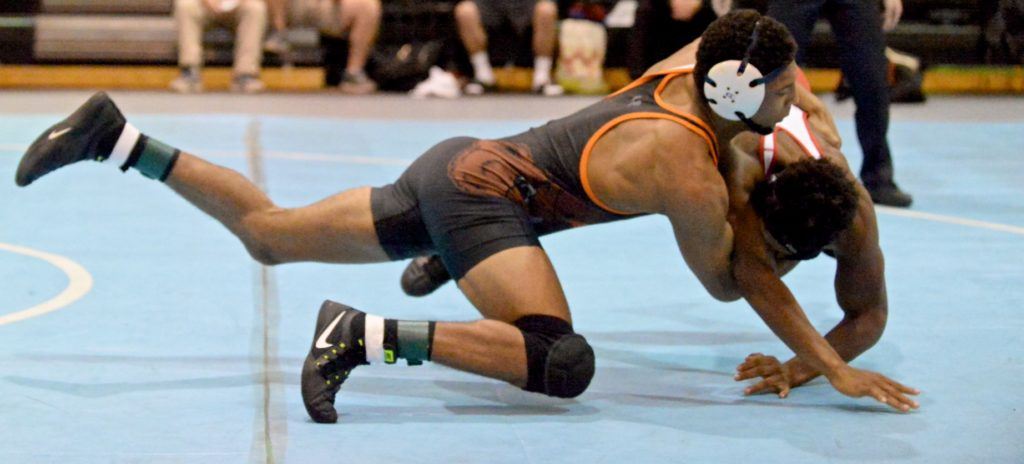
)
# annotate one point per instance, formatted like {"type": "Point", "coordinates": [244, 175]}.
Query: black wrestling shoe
{"type": "Point", "coordinates": [424, 275]}
{"type": "Point", "coordinates": [338, 347]}
{"type": "Point", "coordinates": [89, 133]}
{"type": "Point", "coordinates": [889, 195]}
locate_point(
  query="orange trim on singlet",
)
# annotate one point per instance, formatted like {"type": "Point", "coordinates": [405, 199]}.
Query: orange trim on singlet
{"type": "Point", "coordinates": [814, 138]}
{"type": "Point", "coordinates": [667, 76]}
{"type": "Point", "coordinates": [585, 158]}
{"type": "Point", "coordinates": [680, 112]}
{"type": "Point", "coordinates": [801, 79]}
{"type": "Point", "coordinates": [632, 85]}
{"type": "Point", "coordinates": [686, 69]}
{"type": "Point", "coordinates": [760, 151]}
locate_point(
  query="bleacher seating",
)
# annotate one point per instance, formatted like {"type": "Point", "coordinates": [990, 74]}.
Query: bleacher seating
{"type": "Point", "coordinates": [143, 32]}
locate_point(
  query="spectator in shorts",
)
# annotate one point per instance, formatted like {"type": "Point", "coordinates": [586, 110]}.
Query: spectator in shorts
{"type": "Point", "coordinates": [476, 18]}
{"type": "Point", "coordinates": [277, 42]}
{"type": "Point", "coordinates": [248, 17]}
{"type": "Point", "coordinates": [355, 20]}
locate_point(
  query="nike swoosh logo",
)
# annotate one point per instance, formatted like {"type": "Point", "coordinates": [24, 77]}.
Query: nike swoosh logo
{"type": "Point", "coordinates": [321, 342]}
{"type": "Point", "coordinates": [58, 133]}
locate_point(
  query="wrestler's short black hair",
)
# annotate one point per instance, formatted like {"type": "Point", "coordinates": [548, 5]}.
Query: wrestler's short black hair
{"type": "Point", "coordinates": [806, 205]}
{"type": "Point", "coordinates": [728, 37]}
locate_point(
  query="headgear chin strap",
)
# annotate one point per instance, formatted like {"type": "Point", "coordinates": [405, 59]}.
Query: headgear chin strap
{"type": "Point", "coordinates": [763, 130]}
{"type": "Point", "coordinates": [735, 88]}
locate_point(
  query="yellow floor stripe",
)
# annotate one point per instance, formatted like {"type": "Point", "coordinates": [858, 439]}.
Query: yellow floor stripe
{"type": "Point", "coordinates": [938, 80]}
{"type": "Point", "coordinates": [145, 77]}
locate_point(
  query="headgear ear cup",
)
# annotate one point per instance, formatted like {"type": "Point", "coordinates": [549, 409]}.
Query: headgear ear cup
{"type": "Point", "coordinates": [735, 89]}
{"type": "Point", "coordinates": [732, 91]}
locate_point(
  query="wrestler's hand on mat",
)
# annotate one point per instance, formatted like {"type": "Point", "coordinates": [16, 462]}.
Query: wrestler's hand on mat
{"type": "Point", "coordinates": [774, 375]}
{"type": "Point", "coordinates": [857, 383]}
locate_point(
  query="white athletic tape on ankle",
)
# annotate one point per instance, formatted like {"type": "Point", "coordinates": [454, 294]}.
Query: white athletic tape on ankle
{"type": "Point", "coordinates": [374, 339]}
{"type": "Point", "coordinates": [125, 143]}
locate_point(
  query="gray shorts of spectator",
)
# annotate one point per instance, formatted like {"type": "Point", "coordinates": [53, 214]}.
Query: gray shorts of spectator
{"type": "Point", "coordinates": [517, 14]}
{"type": "Point", "coordinates": [322, 14]}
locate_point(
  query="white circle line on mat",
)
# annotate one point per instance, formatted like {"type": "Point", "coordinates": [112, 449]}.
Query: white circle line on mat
{"type": "Point", "coordinates": [79, 283]}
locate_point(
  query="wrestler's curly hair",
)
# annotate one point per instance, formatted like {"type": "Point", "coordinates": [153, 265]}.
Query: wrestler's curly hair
{"type": "Point", "coordinates": [728, 38]}
{"type": "Point", "coordinates": [807, 204]}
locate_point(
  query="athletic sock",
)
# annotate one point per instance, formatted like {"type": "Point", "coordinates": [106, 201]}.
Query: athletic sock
{"type": "Point", "coordinates": [388, 340]}
{"type": "Point", "coordinates": [482, 70]}
{"type": "Point", "coordinates": [541, 71]}
{"type": "Point", "coordinates": [153, 158]}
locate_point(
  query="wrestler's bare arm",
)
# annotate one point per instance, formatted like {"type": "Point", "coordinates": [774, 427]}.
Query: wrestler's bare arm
{"type": "Point", "coordinates": [860, 273]}
{"type": "Point", "coordinates": [758, 278]}
{"type": "Point", "coordinates": [692, 194]}
{"type": "Point", "coordinates": [860, 291]}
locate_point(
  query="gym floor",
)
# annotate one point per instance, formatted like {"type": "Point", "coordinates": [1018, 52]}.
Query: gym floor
{"type": "Point", "coordinates": [135, 329]}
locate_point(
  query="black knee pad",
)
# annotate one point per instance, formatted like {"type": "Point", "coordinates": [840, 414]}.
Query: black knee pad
{"type": "Point", "coordinates": [559, 362]}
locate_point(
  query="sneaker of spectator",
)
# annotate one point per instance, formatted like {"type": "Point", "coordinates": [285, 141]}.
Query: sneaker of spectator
{"type": "Point", "coordinates": [277, 43]}
{"type": "Point", "coordinates": [247, 83]}
{"type": "Point", "coordinates": [357, 83]}
{"type": "Point", "coordinates": [542, 84]}
{"type": "Point", "coordinates": [549, 90]}
{"type": "Point", "coordinates": [476, 88]}
{"type": "Point", "coordinates": [440, 84]}
{"type": "Point", "coordinates": [188, 81]}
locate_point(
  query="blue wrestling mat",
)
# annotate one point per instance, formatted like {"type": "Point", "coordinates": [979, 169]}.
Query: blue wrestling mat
{"type": "Point", "coordinates": [136, 329]}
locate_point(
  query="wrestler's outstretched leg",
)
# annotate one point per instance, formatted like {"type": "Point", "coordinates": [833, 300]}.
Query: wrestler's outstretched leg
{"type": "Point", "coordinates": [338, 229]}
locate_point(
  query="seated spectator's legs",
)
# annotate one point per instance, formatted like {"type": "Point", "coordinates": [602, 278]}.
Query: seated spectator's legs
{"type": "Point", "coordinates": [545, 21]}
{"type": "Point", "coordinates": [361, 19]}
{"type": "Point", "coordinates": [470, 23]}
{"type": "Point", "coordinates": [357, 21]}
{"type": "Point", "coordinates": [278, 40]}
{"type": "Point", "coordinates": [191, 17]}
{"type": "Point", "coordinates": [475, 18]}
{"type": "Point", "coordinates": [251, 18]}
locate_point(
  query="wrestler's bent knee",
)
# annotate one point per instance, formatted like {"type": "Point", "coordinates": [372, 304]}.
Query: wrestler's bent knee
{"type": "Point", "coordinates": [559, 362]}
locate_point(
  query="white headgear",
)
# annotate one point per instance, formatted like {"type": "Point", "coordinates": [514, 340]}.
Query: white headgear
{"type": "Point", "coordinates": [735, 88]}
